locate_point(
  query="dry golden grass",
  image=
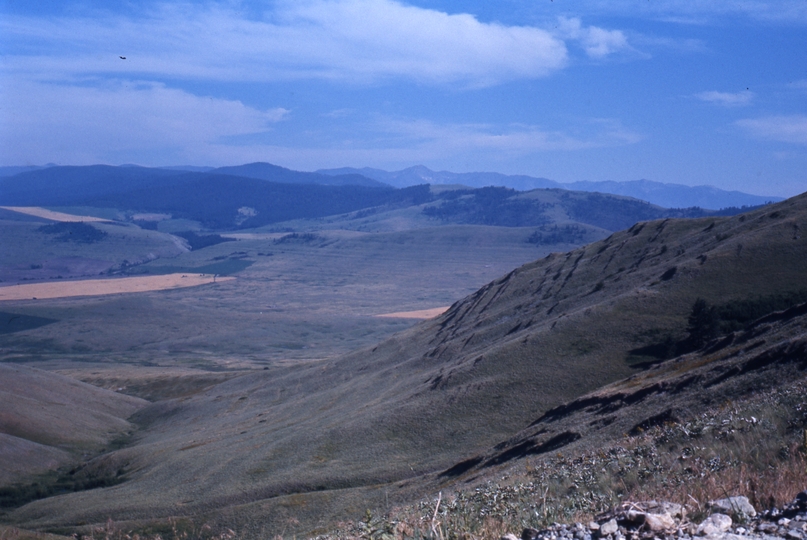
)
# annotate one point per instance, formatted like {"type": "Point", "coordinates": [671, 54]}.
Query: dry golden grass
{"type": "Point", "coordinates": [50, 214]}
{"type": "Point", "coordinates": [101, 287]}
{"type": "Point", "coordinates": [765, 487]}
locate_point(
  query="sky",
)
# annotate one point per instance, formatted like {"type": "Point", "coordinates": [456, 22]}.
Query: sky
{"type": "Point", "coordinates": [695, 92]}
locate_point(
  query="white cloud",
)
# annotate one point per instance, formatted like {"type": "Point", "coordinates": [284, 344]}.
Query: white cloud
{"type": "Point", "coordinates": [122, 121]}
{"type": "Point", "coordinates": [789, 129]}
{"type": "Point", "coordinates": [597, 42]}
{"type": "Point", "coordinates": [727, 99]}
{"type": "Point", "coordinates": [353, 40]}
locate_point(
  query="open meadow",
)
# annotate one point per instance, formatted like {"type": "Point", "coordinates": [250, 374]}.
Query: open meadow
{"type": "Point", "coordinates": [276, 298]}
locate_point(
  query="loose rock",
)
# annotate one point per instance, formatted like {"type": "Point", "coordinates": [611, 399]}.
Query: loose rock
{"type": "Point", "coordinates": [735, 505]}
{"type": "Point", "coordinates": [714, 524]}
{"type": "Point", "coordinates": [609, 527]}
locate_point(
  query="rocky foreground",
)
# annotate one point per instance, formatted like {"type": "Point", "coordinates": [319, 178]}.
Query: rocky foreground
{"type": "Point", "coordinates": [733, 518]}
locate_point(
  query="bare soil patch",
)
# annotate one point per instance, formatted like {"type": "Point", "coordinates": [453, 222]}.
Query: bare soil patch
{"type": "Point", "coordinates": [419, 314]}
{"type": "Point", "coordinates": [100, 287]}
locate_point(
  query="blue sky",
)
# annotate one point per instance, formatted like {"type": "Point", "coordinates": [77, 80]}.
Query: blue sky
{"type": "Point", "coordinates": [691, 91]}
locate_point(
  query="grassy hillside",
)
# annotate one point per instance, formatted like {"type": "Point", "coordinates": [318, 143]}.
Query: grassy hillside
{"type": "Point", "coordinates": [49, 420]}
{"type": "Point", "coordinates": [317, 440]}
{"type": "Point", "coordinates": [40, 250]}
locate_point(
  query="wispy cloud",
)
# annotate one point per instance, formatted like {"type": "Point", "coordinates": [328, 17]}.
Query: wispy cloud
{"type": "Point", "coordinates": [151, 124]}
{"type": "Point", "coordinates": [515, 139]}
{"type": "Point", "coordinates": [789, 129]}
{"type": "Point", "coordinates": [350, 40]}
{"type": "Point", "coordinates": [118, 121]}
{"type": "Point", "coordinates": [339, 113]}
{"type": "Point", "coordinates": [597, 42]}
{"type": "Point", "coordinates": [727, 99]}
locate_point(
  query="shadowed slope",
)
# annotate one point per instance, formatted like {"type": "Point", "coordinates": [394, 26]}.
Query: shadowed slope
{"type": "Point", "coordinates": [47, 420]}
{"type": "Point", "coordinates": [768, 354]}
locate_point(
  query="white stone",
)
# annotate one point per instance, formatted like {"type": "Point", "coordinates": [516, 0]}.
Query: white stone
{"type": "Point", "coordinates": [609, 527]}
{"type": "Point", "coordinates": [735, 505]}
{"type": "Point", "coordinates": [714, 524]}
{"type": "Point", "coordinates": [659, 522]}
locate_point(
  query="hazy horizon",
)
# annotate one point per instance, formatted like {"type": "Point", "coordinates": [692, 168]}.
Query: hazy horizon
{"type": "Point", "coordinates": [690, 93]}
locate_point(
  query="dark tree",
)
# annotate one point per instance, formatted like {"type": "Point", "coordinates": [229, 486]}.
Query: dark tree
{"type": "Point", "coordinates": [703, 324]}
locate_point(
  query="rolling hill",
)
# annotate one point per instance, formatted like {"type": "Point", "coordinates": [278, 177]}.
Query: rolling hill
{"type": "Point", "coordinates": [322, 440]}
{"type": "Point", "coordinates": [50, 420]}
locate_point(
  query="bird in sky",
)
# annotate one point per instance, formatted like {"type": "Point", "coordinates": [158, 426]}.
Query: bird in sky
{"type": "Point", "coordinates": [122, 57]}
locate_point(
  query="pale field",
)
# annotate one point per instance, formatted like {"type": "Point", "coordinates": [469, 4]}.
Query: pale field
{"type": "Point", "coordinates": [101, 287]}
{"type": "Point", "coordinates": [50, 214]}
{"type": "Point", "coordinates": [253, 236]}
{"type": "Point", "coordinates": [419, 314]}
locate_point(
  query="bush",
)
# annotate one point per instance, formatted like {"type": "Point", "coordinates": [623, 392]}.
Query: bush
{"type": "Point", "coordinates": [78, 232]}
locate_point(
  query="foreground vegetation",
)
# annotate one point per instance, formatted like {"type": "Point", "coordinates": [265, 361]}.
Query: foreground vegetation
{"type": "Point", "coordinates": [751, 447]}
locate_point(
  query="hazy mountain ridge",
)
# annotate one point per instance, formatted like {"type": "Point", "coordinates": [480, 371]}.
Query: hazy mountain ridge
{"type": "Point", "coordinates": [549, 332]}
{"type": "Point", "coordinates": [274, 173]}
{"type": "Point", "coordinates": [218, 201]}
{"type": "Point", "coordinates": [224, 201]}
{"type": "Point", "coordinates": [661, 194]}
{"type": "Point", "coordinates": [12, 170]}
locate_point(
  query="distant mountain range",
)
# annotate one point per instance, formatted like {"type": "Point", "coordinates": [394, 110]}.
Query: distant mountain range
{"type": "Point", "coordinates": [273, 173]}
{"type": "Point", "coordinates": [664, 195]}
{"type": "Point", "coordinates": [658, 193]}
{"type": "Point", "coordinates": [259, 171]}
{"type": "Point", "coordinates": [259, 194]}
